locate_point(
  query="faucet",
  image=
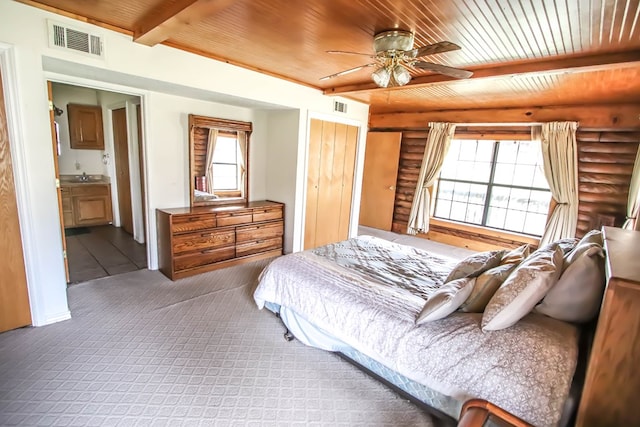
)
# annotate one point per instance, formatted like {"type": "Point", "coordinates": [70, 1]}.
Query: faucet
{"type": "Point", "coordinates": [84, 177]}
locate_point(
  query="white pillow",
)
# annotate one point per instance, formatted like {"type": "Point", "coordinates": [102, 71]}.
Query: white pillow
{"type": "Point", "coordinates": [523, 289]}
{"type": "Point", "coordinates": [475, 264]}
{"type": "Point", "coordinates": [446, 299]}
{"type": "Point", "coordinates": [578, 294]}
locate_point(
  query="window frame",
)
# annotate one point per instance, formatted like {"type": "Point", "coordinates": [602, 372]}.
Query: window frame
{"type": "Point", "coordinates": [236, 192]}
{"type": "Point", "coordinates": [490, 186]}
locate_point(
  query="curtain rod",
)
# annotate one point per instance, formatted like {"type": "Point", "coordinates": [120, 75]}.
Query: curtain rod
{"type": "Point", "coordinates": [500, 124]}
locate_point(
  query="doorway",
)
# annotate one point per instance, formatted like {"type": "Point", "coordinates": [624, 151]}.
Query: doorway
{"type": "Point", "coordinates": [102, 210]}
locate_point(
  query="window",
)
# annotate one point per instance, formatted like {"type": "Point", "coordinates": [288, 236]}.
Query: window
{"type": "Point", "coordinates": [226, 169]}
{"type": "Point", "coordinates": [497, 184]}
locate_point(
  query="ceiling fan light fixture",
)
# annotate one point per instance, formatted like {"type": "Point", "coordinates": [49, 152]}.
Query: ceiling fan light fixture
{"type": "Point", "coordinates": [394, 40]}
{"type": "Point", "coordinates": [381, 77]}
{"type": "Point", "coordinates": [401, 75]}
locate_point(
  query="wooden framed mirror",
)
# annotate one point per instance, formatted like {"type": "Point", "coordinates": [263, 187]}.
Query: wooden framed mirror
{"type": "Point", "coordinates": [218, 160]}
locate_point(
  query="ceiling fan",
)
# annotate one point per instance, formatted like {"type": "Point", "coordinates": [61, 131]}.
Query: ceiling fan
{"type": "Point", "coordinates": [395, 56]}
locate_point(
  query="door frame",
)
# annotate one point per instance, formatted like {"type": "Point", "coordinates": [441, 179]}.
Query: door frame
{"type": "Point", "coordinates": [135, 174]}
{"type": "Point", "coordinates": [298, 241]}
{"type": "Point", "coordinates": [20, 176]}
{"type": "Point", "coordinates": [152, 259]}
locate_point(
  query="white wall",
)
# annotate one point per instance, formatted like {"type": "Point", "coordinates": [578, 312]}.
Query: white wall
{"type": "Point", "coordinates": [171, 84]}
{"type": "Point", "coordinates": [89, 161]}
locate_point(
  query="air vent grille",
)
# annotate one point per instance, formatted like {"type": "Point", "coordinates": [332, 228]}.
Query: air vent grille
{"type": "Point", "coordinates": [63, 37]}
{"type": "Point", "coordinates": [340, 107]}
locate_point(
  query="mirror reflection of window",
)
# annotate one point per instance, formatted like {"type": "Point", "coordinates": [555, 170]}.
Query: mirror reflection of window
{"type": "Point", "coordinates": [226, 169]}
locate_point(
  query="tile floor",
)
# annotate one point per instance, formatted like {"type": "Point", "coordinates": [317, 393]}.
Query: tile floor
{"type": "Point", "coordinates": [103, 251]}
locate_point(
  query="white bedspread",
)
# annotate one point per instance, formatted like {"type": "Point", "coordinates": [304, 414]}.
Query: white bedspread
{"type": "Point", "coordinates": [367, 292]}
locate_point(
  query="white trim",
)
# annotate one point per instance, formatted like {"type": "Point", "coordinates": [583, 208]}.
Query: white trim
{"type": "Point", "coordinates": [65, 315]}
{"type": "Point", "coordinates": [144, 95]}
{"type": "Point", "coordinates": [21, 178]}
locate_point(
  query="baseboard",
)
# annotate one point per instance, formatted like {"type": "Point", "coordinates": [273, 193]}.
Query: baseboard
{"type": "Point", "coordinates": [66, 315]}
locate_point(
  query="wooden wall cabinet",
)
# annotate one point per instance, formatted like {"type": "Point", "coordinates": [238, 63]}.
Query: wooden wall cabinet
{"type": "Point", "coordinates": [85, 127]}
{"type": "Point", "coordinates": [199, 239]}
{"type": "Point", "coordinates": [612, 382]}
{"type": "Point", "coordinates": [86, 204]}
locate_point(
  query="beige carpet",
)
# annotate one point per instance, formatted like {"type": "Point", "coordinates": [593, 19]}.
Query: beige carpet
{"type": "Point", "coordinates": [142, 350]}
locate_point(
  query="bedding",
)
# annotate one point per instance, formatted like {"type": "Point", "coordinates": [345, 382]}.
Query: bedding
{"type": "Point", "coordinates": [367, 292]}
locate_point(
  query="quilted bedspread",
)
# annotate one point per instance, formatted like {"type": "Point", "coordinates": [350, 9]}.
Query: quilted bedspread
{"type": "Point", "coordinates": [367, 292]}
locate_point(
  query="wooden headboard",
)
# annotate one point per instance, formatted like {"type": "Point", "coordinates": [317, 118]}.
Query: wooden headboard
{"type": "Point", "coordinates": [612, 382]}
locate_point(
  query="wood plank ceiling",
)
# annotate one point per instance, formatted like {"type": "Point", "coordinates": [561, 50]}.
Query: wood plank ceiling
{"type": "Point", "coordinates": [522, 52]}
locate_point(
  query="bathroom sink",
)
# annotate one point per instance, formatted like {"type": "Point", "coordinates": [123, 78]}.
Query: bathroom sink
{"type": "Point", "coordinates": [82, 179]}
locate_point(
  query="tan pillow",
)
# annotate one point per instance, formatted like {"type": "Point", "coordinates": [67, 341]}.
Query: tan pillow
{"type": "Point", "coordinates": [523, 289]}
{"type": "Point", "coordinates": [578, 294]}
{"type": "Point", "coordinates": [566, 244]}
{"type": "Point", "coordinates": [517, 255]}
{"type": "Point", "coordinates": [593, 236]}
{"type": "Point", "coordinates": [485, 287]}
{"type": "Point", "coordinates": [475, 264]}
{"type": "Point", "coordinates": [577, 253]}
{"type": "Point", "coordinates": [446, 299]}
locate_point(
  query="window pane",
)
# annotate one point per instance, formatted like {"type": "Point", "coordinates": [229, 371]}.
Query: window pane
{"type": "Point", "coordinates": [495, 217]}
{"type": "Point", "coordinates": [226, 150]}
{"type": "Point", "coordinates": [474, 213]}
{"type": "Point", "coordinates": [225, 177]}
{"type": "Point", "coordinates": [539, 202]}
{"type": "Point", "coordinates": [534, 223]}
{"type": "Point", "coordinates": [519, 199]}
{"type": "Point", "coordinates": [477, 194]}
{"type": "Point", "coordinates": [442, 208]}
{"type": "Point", "coordinates": [500, 197]}
{"type": "Point", "coordinates": [504, 174]}
{"type": "Point", "coordinates": [461, 192]}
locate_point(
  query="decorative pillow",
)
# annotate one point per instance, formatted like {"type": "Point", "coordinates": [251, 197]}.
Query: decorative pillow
{"type": "Point", "coordinates": [578, 294]}
{"type": "Point", "coordinates": [517, 255]}
{"type": "Point", "coordinates": [475, 264]}
{"type": "Point", "coordinates": [593, 236]}
{"type": "Point", "coordinates": [523, 289]}
{"type": "Point", "coordinates": [446, 299]}
{"type": "Point", "coordinates": [485, 287]}
{"type": "Point", "coordinates": [565, 244]}
{"type": "Point", "coordinates": [572, 256]}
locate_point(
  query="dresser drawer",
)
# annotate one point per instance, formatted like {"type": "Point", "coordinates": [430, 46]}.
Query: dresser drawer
{"type": "Point", "coordinates": [186, 223]}
{"type": "Point", "coordinates": [190, 242]}
{"type": "Point", "coordinates": [259, 232]}
{"type": "Point", "coordinates": [265, 214]}
{"type": "Point", "coordinates": [257, 246]}
{"type": "Point", "coordinates": [209, 256]}
{"type": "Point", "coordinates": [233, 218]}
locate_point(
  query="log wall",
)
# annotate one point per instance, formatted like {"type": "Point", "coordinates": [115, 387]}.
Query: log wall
{"type": "Point", "coordinates": [605, 164]}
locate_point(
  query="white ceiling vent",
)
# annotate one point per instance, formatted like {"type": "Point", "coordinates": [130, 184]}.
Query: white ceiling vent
{"type": "Point", "coordinates": [69, 38]}
{"type": "Point", "coordinates": [340, 107]}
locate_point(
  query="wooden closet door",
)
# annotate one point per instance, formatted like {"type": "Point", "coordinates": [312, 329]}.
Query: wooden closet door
{"type": "Point", "coordinates": [331, 165]}
{"type": "Point", "coordinates": [14, 297]}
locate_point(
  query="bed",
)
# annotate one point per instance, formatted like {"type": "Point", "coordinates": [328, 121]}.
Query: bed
{"type": "Point", "coordinates": [361, 298]}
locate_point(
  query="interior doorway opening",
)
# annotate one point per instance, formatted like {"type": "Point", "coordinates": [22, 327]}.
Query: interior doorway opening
{"type": "Point", "coordinates": [97, 140]}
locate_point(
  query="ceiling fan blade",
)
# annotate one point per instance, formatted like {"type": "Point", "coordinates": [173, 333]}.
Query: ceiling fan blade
{"type": "Point", "coordinates": [344, 52]}
{"type": "Point", "coordinates": [443, 69]}
{"type": "Point", "coordinates": [350, 70]}
{"type": "Point", "coordinates": [432, 49]}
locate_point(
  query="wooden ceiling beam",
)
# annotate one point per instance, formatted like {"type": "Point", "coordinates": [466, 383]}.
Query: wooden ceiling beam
{"type": "Point", "coordinates": [572, 64]}
{"type": "Point", "coordinates": [173, 16]}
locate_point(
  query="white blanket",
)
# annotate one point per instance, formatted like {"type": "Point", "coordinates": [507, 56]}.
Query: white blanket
{"type": "Point", "coordinates": [367, 293]}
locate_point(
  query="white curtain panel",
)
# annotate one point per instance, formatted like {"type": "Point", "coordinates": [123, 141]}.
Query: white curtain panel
{"type": "Point", "coordinates": [242, 145]}
{"type": "Point", "coordinates": [560, 161]}
{"type": "Point", "coordinates": [211, 147]}
{"type": "Point", "coordinates": [633, 206]}
{"type": "Point", "coordinates": [438, 141]}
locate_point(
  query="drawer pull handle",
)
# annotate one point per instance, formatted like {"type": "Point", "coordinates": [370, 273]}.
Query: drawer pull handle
{"type": "Point", "coordinates": [260, 241]}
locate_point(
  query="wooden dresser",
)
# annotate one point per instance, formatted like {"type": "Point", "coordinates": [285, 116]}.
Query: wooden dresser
{"type": "Point", "coordinates": [612, 383]}
{"type": "Point", "coordinates": [199, 239]}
